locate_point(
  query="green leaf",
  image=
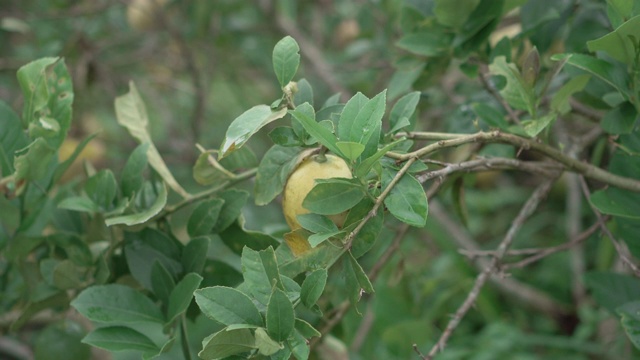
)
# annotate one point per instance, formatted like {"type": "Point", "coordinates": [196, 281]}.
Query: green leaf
{"type": "Point", "coordinates": [407, 200]}
{"type": "Point", "coordinates": [120, 338]}
{"type": "Point", "coordinates": [116, 303]}
{"type": "Point", "coordinates": [162, 283]}
{"type": "Point", "coordinates": [131, 178]}
{"type": "Point", "coordinates": [321, 256]}
{"type": "Point", "coordinates": [273, 171]}
{"type": "Point", "coordinates": [226, 343]}
{"type": "Point", "coordinates": [428, 42]}
{"type": "Point", "coordinates": [630, 314]}
{"type": "Point", "coordinates": [131, 113]}
{"type": "Point", "coordinates": [516, 92]}
{"type": "Point", "coordinates": [143, 216]}
{"type": "Point", "coordinates": [228, 306]}
{"type": "Point", "coordinates": [365, 166]}
{"type": "Point", "coordinates": [204, 217]}
{"type": "Point", "coordinates": [266, 345]}
{"type": "Point", "coordinates": [618, 202]}
{"type": "Point", "coordinates": [601, 69]}
{"type": "Point", "coordinates": [361, 276]}
{"type": "Point", "coordinates": [234, 201]}
{"type": "Point", "coordinates": [621, 44]}
{"type": "Point", "coordinates": [102, 188]}
{"type": "Point", "coordinates": [620, 120]}
{"type": "Point", "coordinates": [62, 340]}
{"type": "Point", "coordinates": [306, 116]}
{"type": "Point", "coordinates": [236, 237]}
{"type": "Point", "coordinates": [351, 150]}
{"type": "Point", "coordinates": [247, 124]}
{"type": "Point", "coordinates": [403, 79]}
{"type": "Point", "coordinates": [454, 13]}
{"type": "Point", "coordinates": [181, 295]}
{"type": "Point", "coordinates": [317, 239]}
{"type": "Point", "coordinates": [333, 196]}
{"type": "Point", "coordinates": [286, 59]}
{"type": "Point", "coordinates": [361, 123]}
{"type": "Point", "coordinates": [280, 316]}
{"type": "Point", "coordinates": [33, 81]}
{"type": "Point", "coordinates": [402, 111]}
{"type": "Point", "coordinates": [612, 290]}
{"type": "Point", "coordinates": [317, 223]}
{"type": "Point", "coordinates": [304, 94]}
{"type": "Point", "coordinates": [12, 138]}
{"type": "Point", "coordinates": [32, 162]}
{"type": "Point", "coordinates": [260, 272]}
{"type": "Point", "coordinates": [67, 275]}
{"type": "Point", "coordinates": [305, 329]}
{"type": "Point", "coordinates": [194, 254]}
{"type": "Point", "coordinates": [208, 171]}
{"type": "Point", "coordinates": [490, 115]}
{"type": "Point", "coordinates": [299, 346]}
{"type": "Point", "coordinates": [285, 136]}
{"type": "Point", "coordinates": [533, 127]}
{"type": "Point", "coordinates": [366, 238]}
{"type": "Point", "coordinates": [312, 287]}
{"type": "Point", "coordinates": [78, 203]}
{"type": "Point", "coordinates": [560, 100]}
{"type": "Point", "coordinates": [142, 249]}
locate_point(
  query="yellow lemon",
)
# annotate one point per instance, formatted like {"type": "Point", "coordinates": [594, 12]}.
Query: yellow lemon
{"type": "Point", "coordinates": [299, 184]}
{"type": "Point", "coordinates": [141, 14]}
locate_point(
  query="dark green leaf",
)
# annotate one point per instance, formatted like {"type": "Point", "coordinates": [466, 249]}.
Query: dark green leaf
{"type": "Point", "coordinates": [317, 223]}
{"type": "Point", "coordinates": [234, 201]}
{"type": "Point", "coordinates": [131, 179]}
{"type": "Point", "coordinates": [145, 215]}
{"type": "Point", "coordinates": [260, 272]}
{"type": "Point", "coordinates": [404, 108]}
{"type": "Point", "coordinates": [363, 126]}
{"type": "Point", "coordinates": [630, 313]}
{"type": "Point", "coordinates": [312, 287]}
{"type": "Point", "coordinates": [102, 188]}
{"type": "Point", "coordinates": [516, 92]}
{"type": "Point", "coordinates": [305, 329]}
{"type": "Point", "coordinates": [427, 42]}
{"type": "Point", "coordinates": [490, 115]}
{"type": "Point", "coordinates": [361, 276]}
{"type": "Point", "coordinates": [366, 238]}
{"type": "Point", "coordinates": [78, 203]}
{"type": "Point", "coordinates": [204, 217]}
{"type": "Point", "coordinates": [120, 338]}
{"type": "Point", "coordinates": [273, 171]}
{"type": "Point", "coordinates": [286, 59]}
{"type": "Point", "coordinates": [280, 316]}
{"type": "Point", "coordinates": [617, 202]}
{"type": "Point", "coordinates": [67, 275]}
{"type": "Point", "coordinates": [612, 290]}
{"type": "Point", "coordinates": [116, 303]}
{"type": "Point", "coordinates": [285, 136]}
{"type": "Point", "coordinates": [226, 343]}
{"type": "Point", "coordinates": [454, 13]}
{"type": "Point", "coordinates": [247, 124]}
{"type": "Point", "coordinates": [194, 254]}
{"type": "Point", "coordinates": [620, 120]}
{"type": "Point", "coordinates": [620, 44]}
{"type": "Point", "coordinates": [228, 306]}
{"type": "Point", "coordinates": [534, 127]}
{"type": "Point", "coordinates": [602, 69]}
{"type": "Point", "coordinates": [304, 94]}
{"type": "Point", "coordinates": [560, 100]}
{"type": "Point", "coordinates": [407, 200]}
{"type": "Point", "coordinates": [365, 166]}
{"type": "Point", "coordinates": [141, 250]}
{"type": "Point", "coordinates": [181, 295]}
{"type": "Point", "coordinates": [162, 283]}
{"type": "Point", "coordinates": [12, 138]}
{"type": "Point", "coordinates": [62, 340]}
{"type": "Point", "coordinates": [208, 171]}
{"type": "Point", "coordinates": [306, 116]}
{"type": "Point", "coordinates": [333, 196]}
{"type": "Point", "coordinates": [299, 346]}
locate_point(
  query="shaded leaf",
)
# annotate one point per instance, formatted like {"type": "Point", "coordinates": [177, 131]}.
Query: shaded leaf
{"type": "Point", "coordinates": [407, 200]}
{"type": "Point", "coordinates": [120, 338]}
{"type": "Point", "coordinates": [333, 196]}
{"type": "Point", "coordinates": [204, 217]}
{"type": "Point", "coordinates": [226, 343]}
{"type": "Point", "coordinates": [181, 295]}
{"type": "Point", "coordinates": [306, 116]}
{"type": "Point", "coordinates": [228, 306]}
{"type": "Point", "coordinates": [143, 216]}
{"type": "Point", "coordinates": [312, 287]}
{"type": "Point", "coordinates": [116, 303]}
{"type": "Point", "coordinates": [273, 171]}
{"type": "Point", "coordinates": [280, 317]}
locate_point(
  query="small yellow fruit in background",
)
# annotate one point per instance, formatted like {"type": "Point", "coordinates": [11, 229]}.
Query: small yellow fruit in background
{"type": "Point", "coordinates": [300, 183]}
{"type": "Point", "coordinates": [141, 14]}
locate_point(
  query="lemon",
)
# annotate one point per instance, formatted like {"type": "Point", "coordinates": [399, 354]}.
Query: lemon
{"type": "Point", "coordinates": [302, 180]}
{"type": "Point", "coordinates": [141, 14]}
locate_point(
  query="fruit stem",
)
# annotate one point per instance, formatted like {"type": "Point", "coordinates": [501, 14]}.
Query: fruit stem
{"type": "Point", "coordinates": [320, 156]}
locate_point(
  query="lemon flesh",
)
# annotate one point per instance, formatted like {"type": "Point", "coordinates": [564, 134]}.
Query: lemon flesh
{"type": "Point", "coordinates": [302, 180]}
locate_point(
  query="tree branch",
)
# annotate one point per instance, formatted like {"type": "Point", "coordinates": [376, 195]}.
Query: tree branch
{"type": "Point", "coordinates": [527, 210]}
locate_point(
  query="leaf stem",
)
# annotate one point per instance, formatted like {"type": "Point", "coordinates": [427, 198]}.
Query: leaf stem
{"type": "Point", "coordinates": [184, 338]}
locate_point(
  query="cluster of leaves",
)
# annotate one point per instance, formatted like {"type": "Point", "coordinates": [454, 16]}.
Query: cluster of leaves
{"type": "Point", "coordinates": [108, 248]}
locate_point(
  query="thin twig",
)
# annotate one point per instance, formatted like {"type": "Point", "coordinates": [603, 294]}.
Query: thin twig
{"type": "Point", "coordinates": [542, 253]}
{"type": "Point", "coordinates": [620, 248]}
{"type": "Point", "coordinates": [571, 164]}
{"type": "Point", "coordinates": [525, 212]}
